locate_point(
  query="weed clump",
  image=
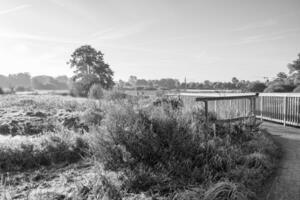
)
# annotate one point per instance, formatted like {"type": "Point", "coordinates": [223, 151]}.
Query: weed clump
{"type": "Point", "coordinates": [22, 154]}
{"type": "Point", "coordinates": [163, 147]}
{"type": "Point", "coordinates": [225, 191]}
{"type": "Point", "coordinates": [96, 92]}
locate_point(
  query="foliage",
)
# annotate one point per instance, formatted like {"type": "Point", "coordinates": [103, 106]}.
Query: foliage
{"type": "Point", "coordinates": [88, 61]}
{"type": "Point", "coordinates": [282, 76]}
{"type": "Point", "coordinates": [93, 116]}
{"type": "Point", "coordinates": [256, 87]}
{"type": "Point", "coordinates": [297, 89]}
{"type": "Point", "coordinates": [1, 91]}
{"type": "Point", "coordinates": [43, 151]}
{"type": "Point", "coordinates": [20, 79]}
{"type": "Point", "coordinates": [96, 92]}
{"type": "Point", "coordinates": [295, 65]}
{"type": "Point", "coordinates": [225, 191]}
{"type": "Point", "coordinates": [82, 87]}
{"type": "Point", "coordinates": [114, 95]}
{"type": "Point", "coordinates": [175, 103]}
{"type": "Point", "coordinates": [97, 188]}
{"type": "Point", "coordinates": [148, 147]}
{"type": "Point", "coordinates": [279, 87]}
{"type": "Point", "coordinates": [48, 83]}
{"type": "Point", "coordinates": [22, 89]}
{"type": "Point", "coordinates": [163, 148]}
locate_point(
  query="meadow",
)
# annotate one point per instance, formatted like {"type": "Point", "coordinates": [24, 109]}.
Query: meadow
{"type": "Point", "coordinates": [127, 147]}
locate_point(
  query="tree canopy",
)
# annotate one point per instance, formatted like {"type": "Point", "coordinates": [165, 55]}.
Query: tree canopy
{"type": "Point", "coordinates": [88, 61]}
{"type": "Point", "coordinates": [295, 65]}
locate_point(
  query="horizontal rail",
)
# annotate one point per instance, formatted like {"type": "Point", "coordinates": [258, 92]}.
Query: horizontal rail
{"type": "Point", "coordinates": [279, 94]}
{"type": "Point", "coordinates": [277, 107]}
{"type": "Point", "coordinates": [219, 98]}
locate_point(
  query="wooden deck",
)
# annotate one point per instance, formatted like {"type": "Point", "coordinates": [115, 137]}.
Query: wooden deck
{"type": "Point", "coordinates": [286, 183]}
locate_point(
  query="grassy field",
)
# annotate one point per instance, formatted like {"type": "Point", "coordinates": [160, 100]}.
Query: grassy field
{"type": "Point", "coordinates": [55, 147]}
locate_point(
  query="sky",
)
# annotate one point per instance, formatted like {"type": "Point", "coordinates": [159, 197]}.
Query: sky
{"type": "Point", "coordinates": [152, 39]}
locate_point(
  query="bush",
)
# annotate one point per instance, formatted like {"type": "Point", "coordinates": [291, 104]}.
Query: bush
{"type": "Point", "coordinates": [297, 89]}
{"type": "Point", "coordinates": [115, 94]}
{"type": "Point", "coordinates": [174, 102]}
{"type": "Point", "coordinates": [257, 87]}
{"type": "Point", "coordinates": [81, 87]}
{"type": "Point", "coordinates": [162, 148]}
{"type": "Point", "coordinates": [22, 89]}
{"type": "Point", "coordinates": [96, 92]}
{"type": "Point", "coordinates": [1, 91]}
{"type": "Point", "coordinates": [225, 191]}
{"type": "Point", "coordinates": [93, 116]}
{"type": "Point", "coordinates": [279, 87]}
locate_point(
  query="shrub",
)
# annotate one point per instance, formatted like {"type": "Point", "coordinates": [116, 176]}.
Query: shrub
{"type": "Point", "coordinates": [297, 89]}
{"type": "Point", "coordinates": [148, 142]}
{"type": "Point", "coordinates": [81, 87]}
{"type": "Point", "coordinates": [22, 89]}
{"type": "Point", "coordinates": [1, 91]}
{"type": "Point", "coordinates": [225, 191]}
{"type": "Point", "coordinates": [96, 92]}
{"type": "Point", "coordinates": [93, 115]}
{"type": "Point", "coordinates": [164, 146]}
{"type": "Point", "coordinates": [115, 94]}
{"type": "Point", "coordinates": [97, 188]}
{"type": "Point", "coordinates": [257, 87]}
{"type": "Point", "coordinates": [279, 87]}
{"type": "Point", "coordinates": [174, 102]}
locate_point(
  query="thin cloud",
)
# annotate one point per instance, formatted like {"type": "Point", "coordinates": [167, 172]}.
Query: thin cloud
{"type": "Point", "coordinates": [15, 9]}
{"type": "Point", "coordinates": [120, 32]}
{"type": "Point", "coordinates": [257, 25]}
{"type": "Point", "coordinates": [265, 37]}
{"type": "Point", "coordinates": [26, 36]}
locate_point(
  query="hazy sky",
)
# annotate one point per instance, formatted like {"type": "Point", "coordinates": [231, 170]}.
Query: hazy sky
{"type": "Point", "coordinates": [201, 40]}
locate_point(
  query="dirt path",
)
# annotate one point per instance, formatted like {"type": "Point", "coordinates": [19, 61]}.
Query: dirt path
{"type": "Point", "coordinates": [286, 183]}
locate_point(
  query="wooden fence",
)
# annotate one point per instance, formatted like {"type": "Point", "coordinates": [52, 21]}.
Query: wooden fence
{"type": "Point", "coordinates": [279, 107]}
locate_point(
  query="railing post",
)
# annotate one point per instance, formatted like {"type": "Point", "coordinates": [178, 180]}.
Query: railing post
{"type": "Point", "coordinates": [254, 107]}
{"type": "Point", "coordinates": [216, 107]}
{"type": "Point", "coordinates": [206, 110]}
{"type": "Point", "coordinates": [284, 110]}
{"type": "Point", "coordinates": [261, 108]}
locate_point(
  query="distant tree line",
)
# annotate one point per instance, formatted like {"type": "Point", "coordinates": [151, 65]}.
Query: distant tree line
{"type": "Point", "coordinates": [168, 83]}
{"type": "Point", "coordinates": [24, 81]}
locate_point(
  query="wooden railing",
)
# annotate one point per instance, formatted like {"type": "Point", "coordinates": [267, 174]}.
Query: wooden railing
{"type": "Point", "coordinates": [279, 107]}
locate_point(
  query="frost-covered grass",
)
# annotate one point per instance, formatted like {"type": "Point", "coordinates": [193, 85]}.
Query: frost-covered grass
{"type": "Point", "coordinates": [139, 148]}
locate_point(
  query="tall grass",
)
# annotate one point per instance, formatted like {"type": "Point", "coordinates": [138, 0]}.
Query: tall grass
{"type": "Point", "coordinates": [164, 148]}
{"type": "Point", "coordinates": [22, 153]}
{"type": "Point", "coordinates": [158, 147]}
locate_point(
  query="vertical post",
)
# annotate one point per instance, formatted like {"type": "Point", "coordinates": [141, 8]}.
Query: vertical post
{"type": "Point", "coordinates": [251, 106]}
{"type": "Point", "coordinates": [254, 106]}
{"type": "Point", "coordinates": [261, 108]}
{"type": "Point", "coordinates": [254, 110]}
{"type": "Point", "coordinates": [216, 107]}
{"type": "Point", "coordinates": [206, 110]}
{"type": "Point", "coordinates": [284, 109]}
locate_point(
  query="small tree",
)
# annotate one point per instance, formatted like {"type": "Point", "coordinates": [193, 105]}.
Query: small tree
{"type": "Point", "coordinates": [256, 87]}
{"type": "Point", "coordinates": [88, 62]}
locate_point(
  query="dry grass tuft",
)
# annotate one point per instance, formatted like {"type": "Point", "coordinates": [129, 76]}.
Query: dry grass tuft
{"type": "Point", "coordinates": [225, 191]}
